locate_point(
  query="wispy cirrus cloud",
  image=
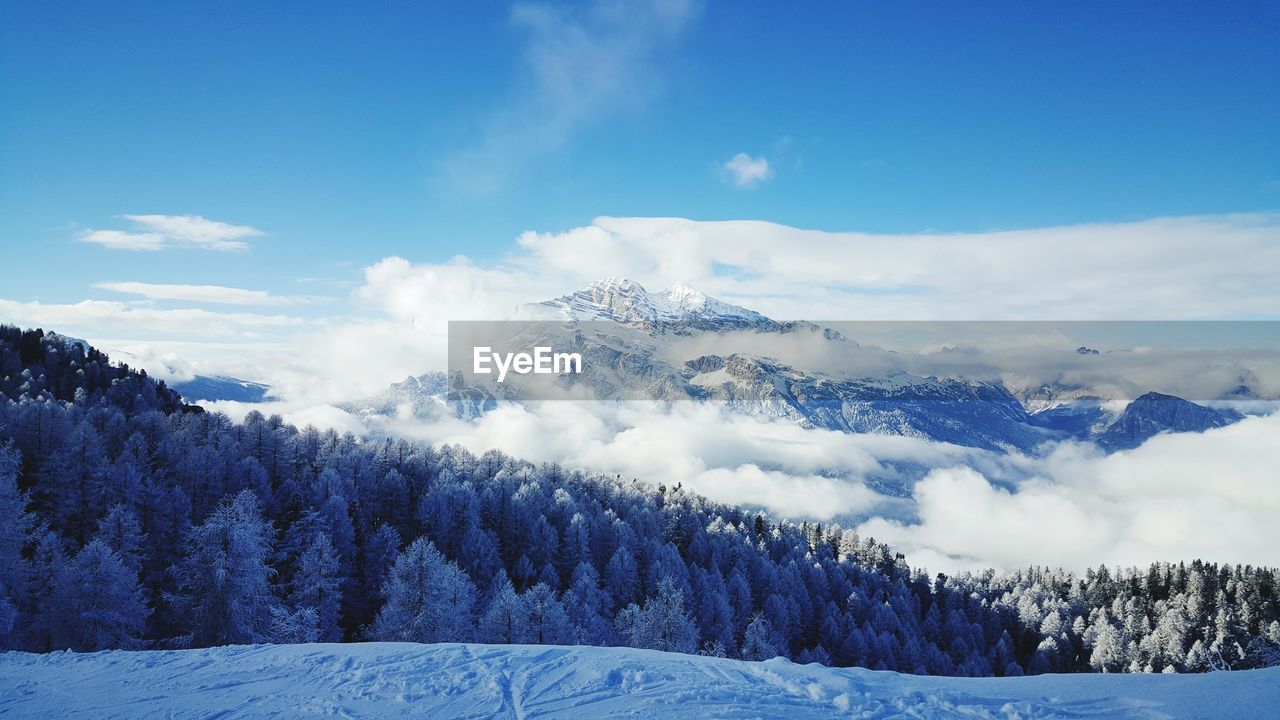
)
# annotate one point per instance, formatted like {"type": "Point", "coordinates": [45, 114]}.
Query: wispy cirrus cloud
{"type": "Point", "coordinates": [217, 294]}
{"type": "Point", "coordinates": [746, 172]}
{"type": "Point", "coordinates": [121, 240]}
{"type": "Point", "coordinates": [580, 65]}
{"type": "Point", "coordinates": [162, 232]}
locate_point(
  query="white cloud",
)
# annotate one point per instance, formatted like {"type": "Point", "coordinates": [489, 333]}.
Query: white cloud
{"type": "Point", "coordinates": [121, 240]}
{"type": "Point", "coordinates": [581, 65]}
{"type": "Point", "coordinates": [726, 456]}
{"type": "Point", "coordinates": [1209, 267]}
{"type": "Point", "coordinates": [161, 232]}
{"type": "Point", "coordinates": [426, 297]}
{"type": "Point", "coordinates": [1209, 495]}
{"type": "Point", "coordinates": [178, 360]}
{"type": "Point", "coordinates": [168, 367]}
{"type": "Point", "coordinates": [1149, 269]}
{"type": "Point", "coordinates": [93, 317]}
{"type": "Point", "coordinates": [321, 416]}
{"type": "Point", "coordinates": [746, 172]}
{"type": "Point", "coordinates": [217, 294]}
{"type": "Point", "coordinates": [349, 359]}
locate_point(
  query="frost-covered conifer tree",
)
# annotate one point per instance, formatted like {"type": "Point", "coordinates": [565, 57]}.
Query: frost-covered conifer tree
{"type": "Point", "coordinates": [96, 603]}
{"type": "Point", "coordinates": [429, 599]}
{"type": "Point", "coordinates": [506, 619]}
{"type": "Point", "coordinates": [547, 621]}
{"type": "Point", "coordinates": [1108, 649]}
{"type": "Point", "coordinates": [661, 624]}
{"type": "Point", "coordinates": [15, 529]}
{"type": "Point", "coordinates": [223, 580]}
{"type": "Point", "coordinates": [120, 530]}
{"type": "Point", "coordinates": [315, 587]}
{"type": "Point", "coordinates": [757, 643]}
{"type": "Point", "coordinates": [585, 603]}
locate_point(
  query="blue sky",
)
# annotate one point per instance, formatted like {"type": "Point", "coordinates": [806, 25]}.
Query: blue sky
{"type": "Point", "coordinates": [348, 132]}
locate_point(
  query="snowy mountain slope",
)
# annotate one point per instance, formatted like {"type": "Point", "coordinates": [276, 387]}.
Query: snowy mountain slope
{"type": "Point", "coordinates": [964, 412]}
{"type": "Point", "coordinates": [208, 388]}
{"type": "Point", "coordinates": [1079, 415]}
{"type": "Point", "coordinates": [1073, 410]}
{"type": "Point", "coordinates": [1041, 398]}
{"type": "Point", "coordinates": [1081, 419]}
{"type": "Point", "coordinates": [394, 680]}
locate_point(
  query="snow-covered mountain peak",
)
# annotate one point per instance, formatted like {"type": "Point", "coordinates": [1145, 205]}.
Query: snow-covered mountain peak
{"type": "Point", "coordinates": [615, 283]}
{"type": "Point", "coordinates": [619, 296]}
{"type": "Point", "coordinates": [627, 301]}
{"type": "Point", "coordinates": [684, 295]}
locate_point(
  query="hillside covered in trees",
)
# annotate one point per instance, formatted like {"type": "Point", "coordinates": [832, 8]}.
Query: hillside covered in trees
{"type": "Point", "coordinates": [129, 520]}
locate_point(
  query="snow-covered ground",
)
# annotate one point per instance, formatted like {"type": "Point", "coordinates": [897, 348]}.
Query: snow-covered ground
{"type": "Point", "coordinates": [385, 680]}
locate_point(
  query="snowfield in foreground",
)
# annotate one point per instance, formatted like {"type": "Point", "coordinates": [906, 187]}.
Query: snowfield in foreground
{"type": "Point", "coordinates": [378, 680]}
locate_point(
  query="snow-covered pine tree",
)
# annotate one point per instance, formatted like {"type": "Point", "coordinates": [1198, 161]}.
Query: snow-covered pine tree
{"type": "Point", "coordinates": [15, 531]}
{"type": "Point", "coordinates": [586, 604]}
{"type": "Point", "coordinates": [757, 642]}
{"type": "Point", "coordinates": [223, 580]}
{"type": "Point", "coordinates": [547, 621]}
{"type": "Point", "coordinates": [661, 624]}
{"type": "Point", "coordinates": [96, 603]}
{"type": "Point", "coordinates": [122, 532]}
{"type": "Point", "coordinates": [1108, 649]}
{"type": "Point", "coordinates": [47, 562]}
{"type": "Point", "coordinates": [429, 599]}
{"type": "Point", "coordinates": [506, 619]}
{"type": "Point", "coordinates": [315, 587]}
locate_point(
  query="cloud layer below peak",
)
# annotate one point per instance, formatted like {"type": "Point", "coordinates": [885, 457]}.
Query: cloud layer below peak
{"type": "Point", "coordinates": [1210, 495]}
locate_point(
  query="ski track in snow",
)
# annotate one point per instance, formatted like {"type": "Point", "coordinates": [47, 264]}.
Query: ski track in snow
{"type": "Point", "coordinates": [398, 680]}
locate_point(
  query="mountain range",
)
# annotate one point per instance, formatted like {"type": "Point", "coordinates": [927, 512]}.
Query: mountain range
{"type": "Point", "coordinates": [626, 335]}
